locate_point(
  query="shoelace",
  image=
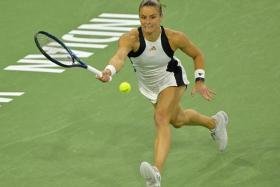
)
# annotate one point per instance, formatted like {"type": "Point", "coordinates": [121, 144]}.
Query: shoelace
{"type": "Point", "coordinates": [213, 135]}
{"type": "Point", "coordinates": [150, 181]}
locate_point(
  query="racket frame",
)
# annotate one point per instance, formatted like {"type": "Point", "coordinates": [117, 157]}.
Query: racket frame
{"type": "Point", "coordinates": [73, 56]}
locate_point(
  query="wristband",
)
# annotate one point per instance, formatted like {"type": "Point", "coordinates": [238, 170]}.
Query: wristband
{"type": "Point", "coordinates": [112, 69]}
{"type": "Point", "coordinates": [199, 74]}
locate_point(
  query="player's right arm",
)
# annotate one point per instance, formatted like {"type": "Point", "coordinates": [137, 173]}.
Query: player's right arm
{"type": "Point", "coordinates": [116, 62]}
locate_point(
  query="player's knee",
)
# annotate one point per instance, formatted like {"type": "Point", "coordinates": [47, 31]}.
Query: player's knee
{"type": "Point", "coordinates": [161, 117]}
{"type": "Point", "coordinates": [180, 118]}
{"type": "Point", "coordinates": [176, 123]}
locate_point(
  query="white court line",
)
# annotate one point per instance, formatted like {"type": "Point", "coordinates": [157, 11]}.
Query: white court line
{"type": "Point", "coordinates": [11, 93]}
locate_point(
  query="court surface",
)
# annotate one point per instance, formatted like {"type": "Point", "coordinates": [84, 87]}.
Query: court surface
{"type": "Point", "coordinates": [69, 130]}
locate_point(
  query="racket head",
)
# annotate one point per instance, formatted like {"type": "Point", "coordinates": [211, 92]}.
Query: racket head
{"type": "Point", "coordinates": [56, 51]}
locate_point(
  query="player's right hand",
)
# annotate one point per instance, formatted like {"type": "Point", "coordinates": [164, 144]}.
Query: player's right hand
{"type": "Point", "coordinates": [106, 76]}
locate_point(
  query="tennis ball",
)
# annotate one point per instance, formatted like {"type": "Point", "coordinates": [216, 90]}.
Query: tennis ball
{"type": "Point", "coordinates": [125, 87]}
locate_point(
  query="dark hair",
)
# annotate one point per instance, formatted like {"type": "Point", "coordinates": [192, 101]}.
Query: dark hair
{"type": "Point", "coordinates": [154, 3]}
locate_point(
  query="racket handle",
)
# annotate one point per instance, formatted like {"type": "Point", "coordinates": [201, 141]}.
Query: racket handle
{"type": "Point", "coordinates": [96, 72]}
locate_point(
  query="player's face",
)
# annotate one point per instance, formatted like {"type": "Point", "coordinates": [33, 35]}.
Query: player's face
{"type": "Point", "coordinates": [150, 19]}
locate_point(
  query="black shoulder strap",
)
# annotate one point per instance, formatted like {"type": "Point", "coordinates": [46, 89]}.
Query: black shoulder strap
{"type": "Point", "coordinates": [165, 44]}
{"type": "Point", "coordinates": [141, 47]}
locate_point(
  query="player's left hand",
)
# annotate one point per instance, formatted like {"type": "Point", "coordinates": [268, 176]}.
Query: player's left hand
{"type": "Point", "coordinates": [203, 90]}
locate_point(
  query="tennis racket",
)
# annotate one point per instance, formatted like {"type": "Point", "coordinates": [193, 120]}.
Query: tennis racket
{"type": "Point", "coordinates": [57, 52]}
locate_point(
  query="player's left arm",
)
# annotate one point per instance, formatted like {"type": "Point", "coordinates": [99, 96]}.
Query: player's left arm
{"type": "Point", "coordinates": [182, 42]}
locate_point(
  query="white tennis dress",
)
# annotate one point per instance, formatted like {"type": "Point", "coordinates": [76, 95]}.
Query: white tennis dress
{"type": "Point", "coordinates": [155, 66]}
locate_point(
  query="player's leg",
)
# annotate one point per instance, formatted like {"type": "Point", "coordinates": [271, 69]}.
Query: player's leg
{"type": "Point", "coordinates": [217, 124]}
{"type": "Point", "coordinates": [182, 117]}
{"type": "Point", "coordinates": [168, 101]}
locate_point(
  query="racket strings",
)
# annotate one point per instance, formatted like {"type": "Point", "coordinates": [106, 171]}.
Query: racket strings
{"type": "Point", "coordinates": [55, 50]}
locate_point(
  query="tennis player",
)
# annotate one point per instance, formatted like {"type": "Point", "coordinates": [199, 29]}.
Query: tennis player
{"type": "Point", "coordinates": [162, 80]}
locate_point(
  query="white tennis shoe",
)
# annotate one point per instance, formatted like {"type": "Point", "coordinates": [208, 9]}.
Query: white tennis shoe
{"type": "Point", "coordinates": [219, 133]}
{"type": "Point", "coordinates": [150, 174]}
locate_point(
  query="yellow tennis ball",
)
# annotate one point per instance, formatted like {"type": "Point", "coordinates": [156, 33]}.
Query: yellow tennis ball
{"type": "Point", "coordinates": [125, 87]}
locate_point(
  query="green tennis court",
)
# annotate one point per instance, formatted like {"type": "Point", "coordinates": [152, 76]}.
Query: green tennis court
{"type": "Point", "coordinates": [69, 130]}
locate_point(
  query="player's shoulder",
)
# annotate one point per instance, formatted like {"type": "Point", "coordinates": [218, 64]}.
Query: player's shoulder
{"type": "Point", "coordinates": [174, 34]}
{"type": "Point", "coordinates": [130, 40]}
{"type": "Point", "coordinates": [131, 36]}
{"type": "Point", "coordinates": [177, 39]}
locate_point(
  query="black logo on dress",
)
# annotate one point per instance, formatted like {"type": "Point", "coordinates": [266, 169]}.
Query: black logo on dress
{"type": "Point", "coordinates": [153, 48]}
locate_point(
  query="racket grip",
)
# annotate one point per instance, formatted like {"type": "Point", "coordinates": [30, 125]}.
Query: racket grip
{"type": "Point", "coordinates": [96, 72]}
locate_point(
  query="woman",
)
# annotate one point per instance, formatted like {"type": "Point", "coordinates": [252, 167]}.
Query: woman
{"type": "Point", "coordinates": [163, 80]}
